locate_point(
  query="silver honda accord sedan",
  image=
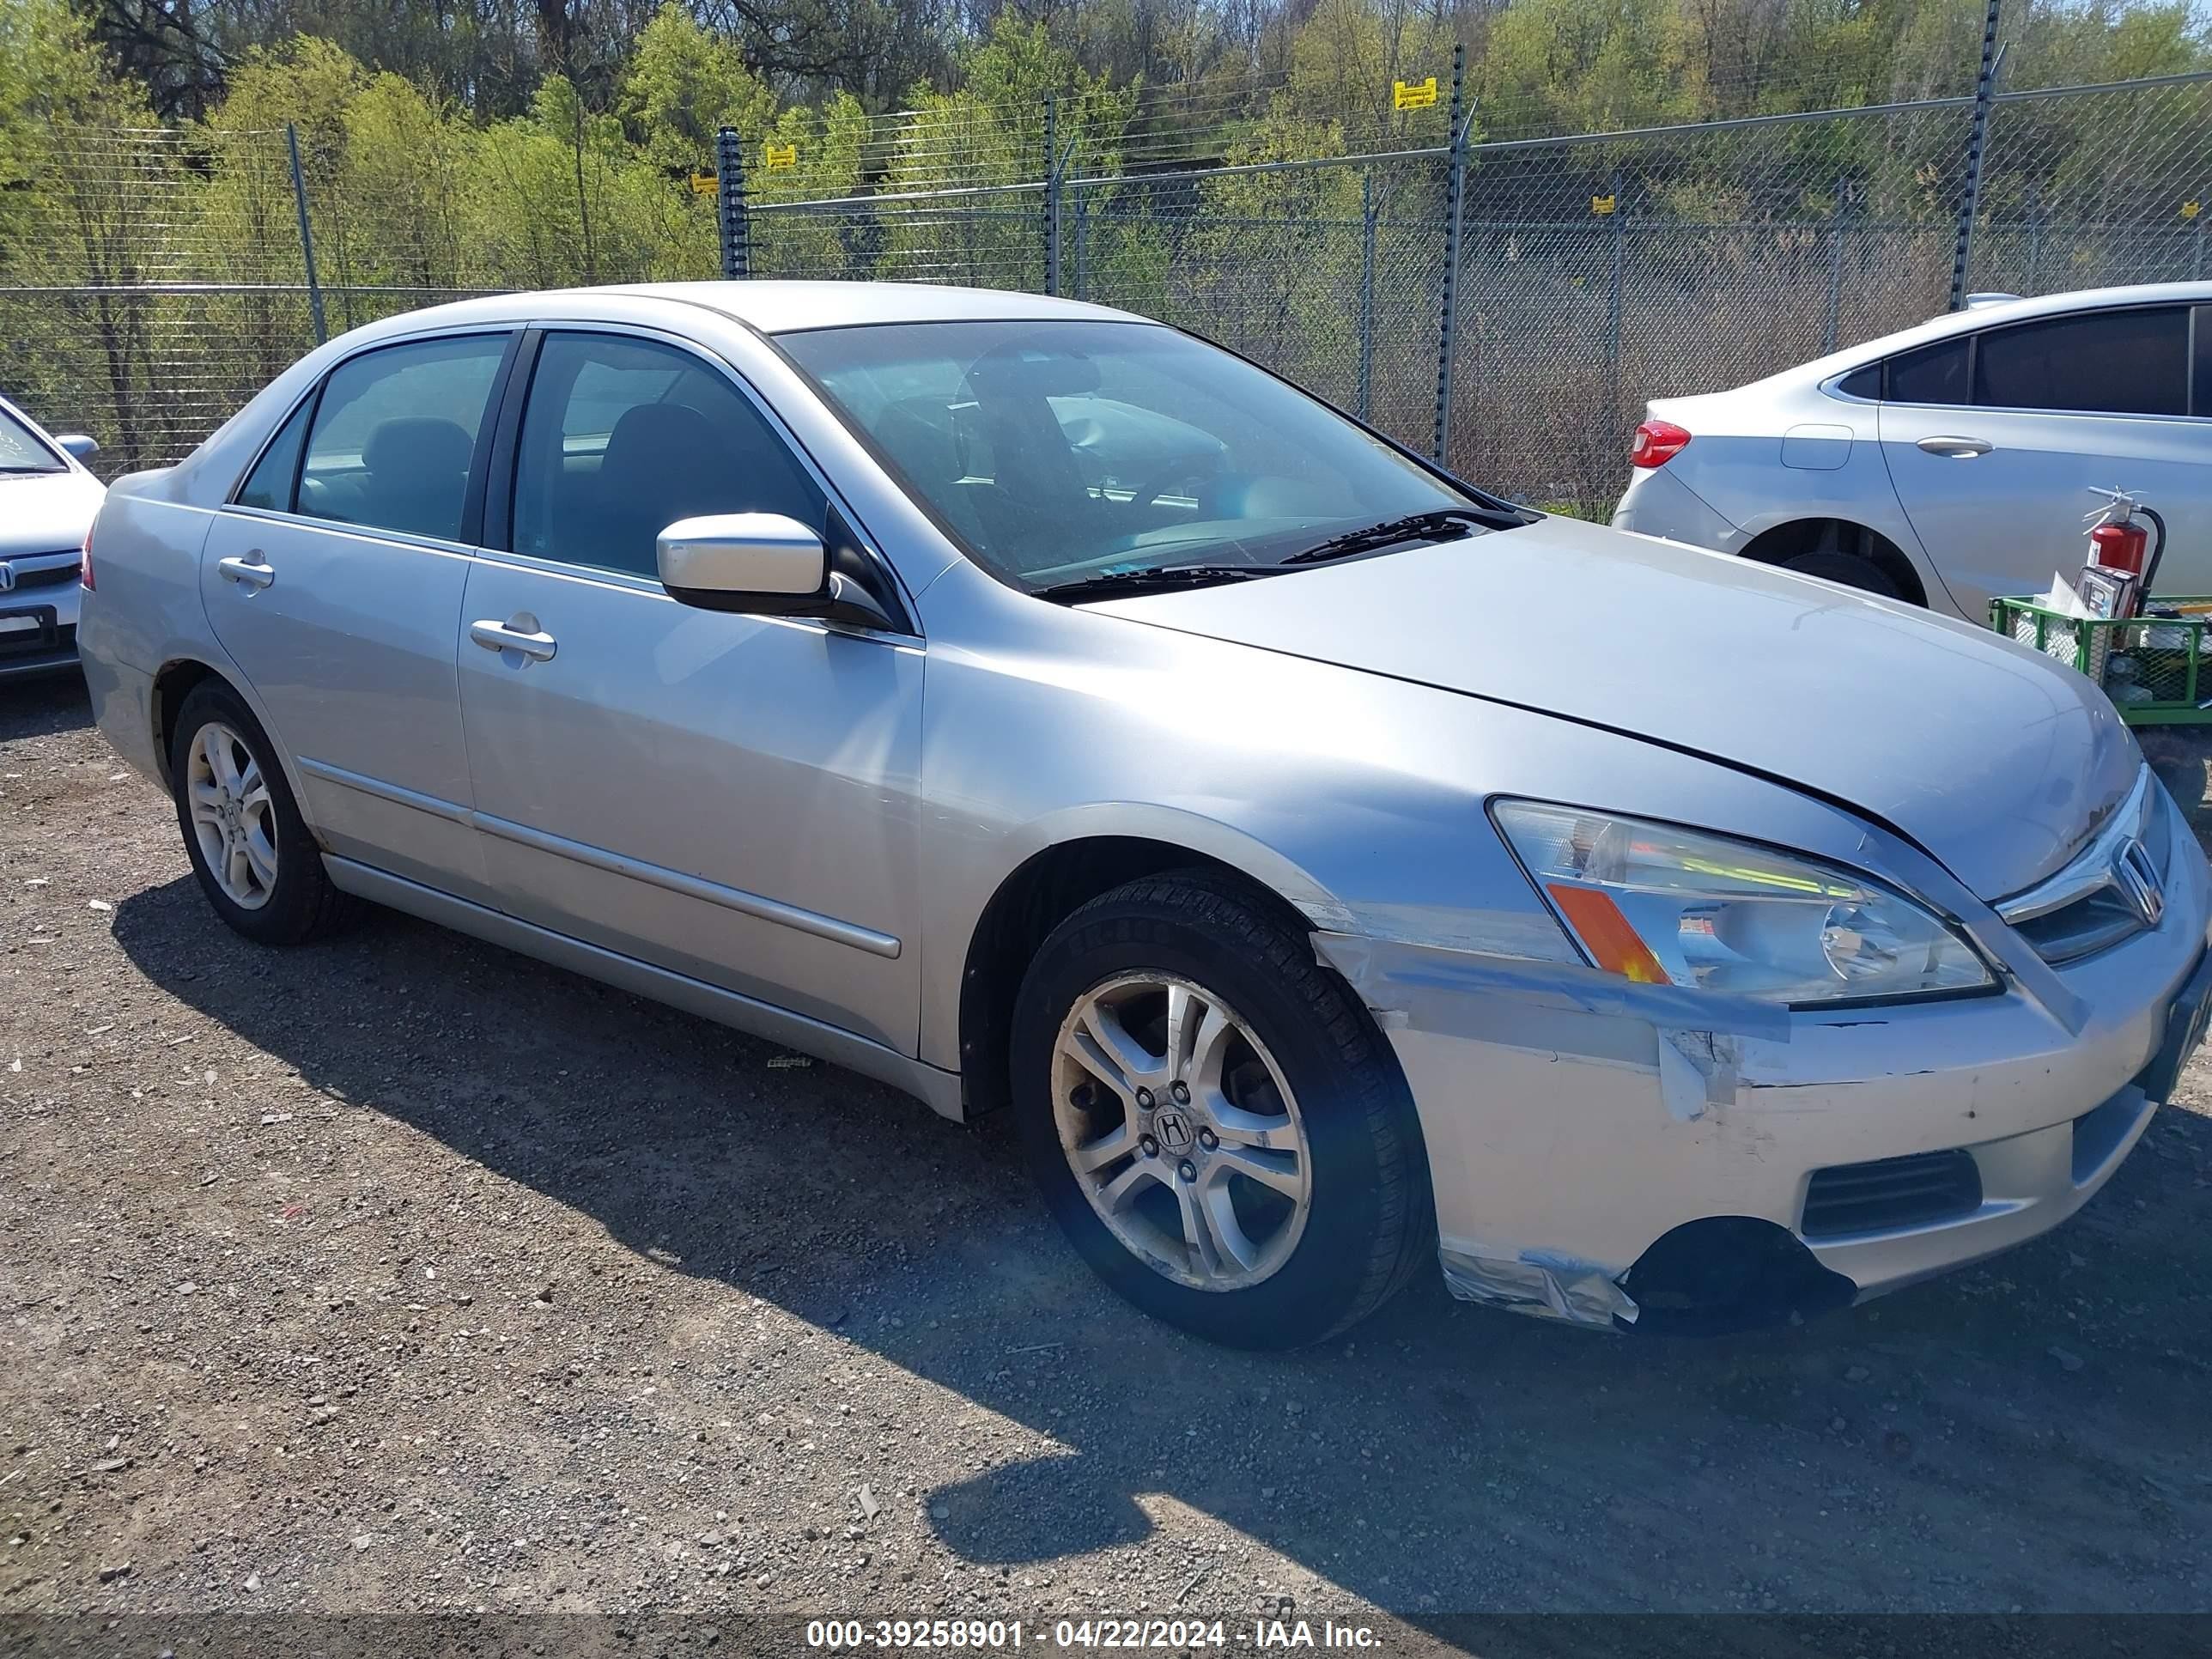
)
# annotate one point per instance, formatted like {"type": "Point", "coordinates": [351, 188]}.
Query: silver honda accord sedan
{"type": "Point", "coordinates": [1330, 866]}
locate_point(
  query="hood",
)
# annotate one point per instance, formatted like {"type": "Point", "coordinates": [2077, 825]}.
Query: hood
{"type": "Point", "coordinates": [47, 511]}
{"type": "Point", "coordinates": [1994, 760]}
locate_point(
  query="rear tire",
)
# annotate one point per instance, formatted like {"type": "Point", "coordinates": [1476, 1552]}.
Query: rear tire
{"type": "Point", "coordinates": [1846, 554]}
{"type": "Point", "coordinates": [1274, 1191]}
{"type": "Point", "coordinates": [250, 848]}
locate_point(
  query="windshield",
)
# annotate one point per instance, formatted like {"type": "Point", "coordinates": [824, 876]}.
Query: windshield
{"type": "Point", "coordinates": [21, 449]}
{"type": "Point", "coordinates": [1057, 451]}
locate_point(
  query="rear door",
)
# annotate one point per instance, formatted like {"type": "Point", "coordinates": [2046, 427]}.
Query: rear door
{"type": "Point", "coordinates": [1994, 440]}
{"type": "Point", "coordinates": [334, 579]}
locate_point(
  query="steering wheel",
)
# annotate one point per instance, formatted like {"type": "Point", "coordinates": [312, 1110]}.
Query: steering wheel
{"type": "Point", "coordinates": [1201, 468]}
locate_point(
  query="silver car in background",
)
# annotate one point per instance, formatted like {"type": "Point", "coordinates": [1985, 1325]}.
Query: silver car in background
{"type": "Point", "coordinates": [47, 502]}
{"type": "Point", "coordinates": [1951, 464]}
{"type": "Point", "coordinates": [1333, 868]}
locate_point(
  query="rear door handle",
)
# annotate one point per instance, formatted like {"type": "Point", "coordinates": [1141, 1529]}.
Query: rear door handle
{"type": "Point", "coordinates": [498, 636]}
{"type": "Point", "coordinates": [252, 571]}
{"type": "Point", "coordinates": [1958, 448]}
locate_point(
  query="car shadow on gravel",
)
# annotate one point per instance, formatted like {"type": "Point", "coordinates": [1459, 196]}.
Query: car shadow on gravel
{"type": "Point", "coordinates": [2009, 1437]}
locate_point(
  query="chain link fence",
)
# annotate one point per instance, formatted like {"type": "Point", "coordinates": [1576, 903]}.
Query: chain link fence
{"type": "Point", "coordinates": [150, 281]}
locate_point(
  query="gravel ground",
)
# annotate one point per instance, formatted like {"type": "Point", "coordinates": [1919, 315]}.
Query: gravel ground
{"type": "Point", "coordinates": [400, 1273]}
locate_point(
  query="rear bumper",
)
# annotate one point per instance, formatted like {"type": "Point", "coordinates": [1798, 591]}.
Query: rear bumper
{"type": "Point", "coordinates": [123, 706]}
{"type": "Point", "coordinates": [1658, 503]}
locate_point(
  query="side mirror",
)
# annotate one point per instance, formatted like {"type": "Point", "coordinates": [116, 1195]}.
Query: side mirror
{"type": "Point", "coordinates": [78, 445]}
{"type": "Point", "coordinates": [764, 565]}
{"type": "Point", "coordinates": [758, 561]}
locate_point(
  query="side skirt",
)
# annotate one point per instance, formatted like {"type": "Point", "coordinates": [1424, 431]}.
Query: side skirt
{"type": "Point", "coordinates": [939, 1091]}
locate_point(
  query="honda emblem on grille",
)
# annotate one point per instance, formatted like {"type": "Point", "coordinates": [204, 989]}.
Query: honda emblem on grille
{"type": "Point", "coordinates": [7, 578]}
{"type": "Point", "coordinates": [2135, 874]}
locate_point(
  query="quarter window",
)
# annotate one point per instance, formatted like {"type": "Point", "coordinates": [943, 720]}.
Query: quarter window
{"type": "Point", "coordinates": [395, 434]}
{"type": "Point", "coordinates": [1861, 383]}
{"type": "Point", "coordinates": [621, 437]}
{"type": "Point", "coordinates": [2107, 362]}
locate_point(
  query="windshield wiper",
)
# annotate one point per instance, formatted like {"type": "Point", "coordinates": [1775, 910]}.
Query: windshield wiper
{"type": "Point", "coordinates": [26, 471]}
{"type": "Point", "coordinates": [1159, 578]}
{"type": "Point", "coordinates": [1444, 524]}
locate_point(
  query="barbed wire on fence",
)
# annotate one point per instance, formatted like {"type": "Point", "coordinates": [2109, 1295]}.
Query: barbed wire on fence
{"type": "Point", "coordinates": [150, 281]}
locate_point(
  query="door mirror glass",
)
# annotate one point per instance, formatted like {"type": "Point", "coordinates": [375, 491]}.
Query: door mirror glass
{"type": "Point", "coordinates": [758, 561]}
{"type": "Point", "coordinates": [77, 444]}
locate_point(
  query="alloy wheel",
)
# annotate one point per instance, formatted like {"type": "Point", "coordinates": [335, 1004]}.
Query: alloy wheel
{"type": "Point", "coordinates": [1180, 1130]}
{"type": "Point", "coordinates": [233, 819]}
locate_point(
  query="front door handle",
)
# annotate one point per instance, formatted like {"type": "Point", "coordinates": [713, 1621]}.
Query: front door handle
{"type": "Point", "coordinates": [1962, 449]}
{"type": "Point", "coordinates": [534, 644]}
{"type": "Point", "coordinates": [251, 572]}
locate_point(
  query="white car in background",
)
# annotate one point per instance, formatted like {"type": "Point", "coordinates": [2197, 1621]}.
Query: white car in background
{"type": "Point", "coordinates": [47, 503]}
{"type": "Point", "coordinates": [1951, 464]}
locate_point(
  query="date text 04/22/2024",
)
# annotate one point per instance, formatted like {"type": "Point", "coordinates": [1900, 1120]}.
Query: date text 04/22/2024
{"type": "Point", "coordinates": [981, 1635]}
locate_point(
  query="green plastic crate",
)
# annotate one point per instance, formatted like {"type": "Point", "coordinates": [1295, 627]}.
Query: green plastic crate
{"type": "Point", "coordinates": [2151, 667]}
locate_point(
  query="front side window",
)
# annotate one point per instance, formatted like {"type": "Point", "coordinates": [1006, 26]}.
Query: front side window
{"type": "Point", "coordinates": [395, 433]}
{"type": "Point", "coordinates": [621, 437]}
{"type": "Point", "coordinates": [2107, 362]}
{"type": "Point", "coordinates": [21, 450]}
{"type": "Point", "coordinates": [1054, 451]}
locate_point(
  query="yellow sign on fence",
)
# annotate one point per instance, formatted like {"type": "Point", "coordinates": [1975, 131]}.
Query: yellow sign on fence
{"type": "Point", "coordinates": [1413, 94]}
{"type": "Point", "coordinates": [779, 155]}
{"type": "Point", "coordinates": [1602, 204]}
{"type": "Point", "coordinates": [2190, 210]}
{"type": "Point", "coordinates": [704, 184]}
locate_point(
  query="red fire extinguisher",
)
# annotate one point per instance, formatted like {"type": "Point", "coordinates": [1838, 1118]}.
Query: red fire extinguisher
{"type": "Point", "coordinates": [2117, 544]}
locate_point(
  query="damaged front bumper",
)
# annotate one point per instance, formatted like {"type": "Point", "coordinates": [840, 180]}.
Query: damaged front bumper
{"type": "Point", "coordinates": [1636, 1157]}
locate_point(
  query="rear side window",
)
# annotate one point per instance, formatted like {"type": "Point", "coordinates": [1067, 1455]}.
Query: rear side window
{"type": "Point", "coordinates": [621, 437]}
{"type": "Point", "coordinates": [2108, 362]}
{"type": "Point", "coordinates": [395, 433]}
{"type": "Point", "coordinates": [270, 484]}
{"type": "Point", "coordinates": [1933, 374]}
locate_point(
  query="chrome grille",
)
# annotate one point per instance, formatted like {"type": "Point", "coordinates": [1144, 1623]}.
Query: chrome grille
{"type": "Point", "coordinates": [33, 570]}
{"type": "Point", "coordinates": [2091, 905]}
{"type": "Point", "coordinates": [54, 578]}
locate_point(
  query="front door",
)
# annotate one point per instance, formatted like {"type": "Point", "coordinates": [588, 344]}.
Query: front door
{"type": "Point", "coordinates": [335, 583]}
{"type": "Point", "coordinates": [2000, 437]}
{"type": "Point", "coordinates": [725, 796]}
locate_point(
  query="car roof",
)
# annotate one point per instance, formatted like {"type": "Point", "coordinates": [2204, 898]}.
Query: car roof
{"type": "Point", "coordinates": [770, 306]}
{"type": "Point", "coordinates": [780, 307]}
{"type": "Point", "coordinates": [1989, 315]}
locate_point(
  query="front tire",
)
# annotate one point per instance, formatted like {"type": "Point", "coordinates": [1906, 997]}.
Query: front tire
{"type": "Point", "coordinates": [1216, 1124]}
{"type": "Point", "coordinates": [249, 847]}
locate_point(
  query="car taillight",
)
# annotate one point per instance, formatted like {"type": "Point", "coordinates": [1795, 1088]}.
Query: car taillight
{"type": "Point", "coordinates": [84, 562]}
{"type": "Point", "coordinates": [1657, 443]}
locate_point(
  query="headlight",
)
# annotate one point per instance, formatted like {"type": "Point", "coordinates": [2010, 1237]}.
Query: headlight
{"type": "Point", "coordinates": [1665, 905]}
